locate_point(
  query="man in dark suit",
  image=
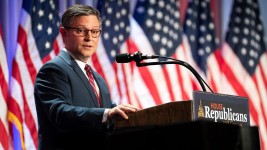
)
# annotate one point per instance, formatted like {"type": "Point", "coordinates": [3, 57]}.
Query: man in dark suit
{"type": "Point", "coordinates": [73, 103]}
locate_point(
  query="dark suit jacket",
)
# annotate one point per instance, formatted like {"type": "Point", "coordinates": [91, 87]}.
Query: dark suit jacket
{"type": "Point", "coordinates": [68, 113]}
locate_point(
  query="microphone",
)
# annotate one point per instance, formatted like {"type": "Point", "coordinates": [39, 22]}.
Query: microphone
{"type": "Point", "coordinates": [137, 57]}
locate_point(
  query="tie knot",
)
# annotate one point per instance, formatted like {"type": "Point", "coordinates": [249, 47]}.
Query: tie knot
{"type": "Point", "coordinates": [87, 68]}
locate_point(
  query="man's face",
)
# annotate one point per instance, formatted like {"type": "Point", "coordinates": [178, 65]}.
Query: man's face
{"type": "Point", "coordinates": [82, 47]}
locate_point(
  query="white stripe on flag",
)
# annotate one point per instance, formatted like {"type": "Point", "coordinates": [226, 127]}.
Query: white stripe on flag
{"type": "Point", "coordinates": [3, 66]}
{"type": "Point", "coordinates": [27, 84]}
{"type": "Point", "coordinates": [249, 86]}
{"type": "Point", "coordinates": [29, 143]}
{"type": "Point", "coordinates": [25, 23]}
{"type": "Point", "coordinates": [141, 90]}
{"type": "Point", "coordinates": [144, 47]}
{"type": "Point", "coordinates": [108, 72]}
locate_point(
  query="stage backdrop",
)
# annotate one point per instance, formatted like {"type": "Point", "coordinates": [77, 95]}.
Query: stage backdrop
{"type": "Point", "coordinates": [222, 40]}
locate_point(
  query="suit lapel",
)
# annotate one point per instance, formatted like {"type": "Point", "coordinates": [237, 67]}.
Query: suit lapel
{"type": "Point", "coordinates": [64, 55]}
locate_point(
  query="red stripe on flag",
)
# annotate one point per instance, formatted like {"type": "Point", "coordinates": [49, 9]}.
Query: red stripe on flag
{"type": "Point", "coordinates": [4, 136]}
{"type": "Point", "coordinates": [213, 84]}
{"type": "Point", "coordinates": [147, 78]}
{"type": "Point", "coordinates": [129, 43]}
{"type": "Point", "coordinates": [220, 60]}
{"type": "Point", "coordinates": [254, 78]}
{"type": "Point", "coordinates": [46, 59]}
{"type": "Point", "coordinates": [4, 91]}
{"type": "Point", "coordinates": [263, 75]}
{"type": "Point", "coordinates": [56, 47]}
{"type": "Point", "coordinates": [115, 68]}
{"type": "Point", "coordinates": [146, 75]}
{"type": "Point", "coordinates": [29, 120]}
{"type": "Point", "coordinates": [14, 108]}
{"type": "Point", "coordinates": [240, 91]}
{"type": "Point", "coordinates": [180, 78]}
{"type": "Point", "coordinates": [3, 84]}
{"type": "Point", "coordinates": [126, 85]}
{"type": "Point", "coordinates": [195, 84]}
{"type": "Point", "coordinates": [97, 66]}
{"type": "Point", "coordinates": [168, 83]}
{"type": "Point", "coordinates": [22, 40]}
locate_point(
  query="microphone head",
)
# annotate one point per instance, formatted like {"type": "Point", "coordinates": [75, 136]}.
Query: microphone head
{"type": "Point", "coordinates": [123, 58]}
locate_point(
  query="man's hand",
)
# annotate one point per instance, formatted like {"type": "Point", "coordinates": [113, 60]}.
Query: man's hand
{"type": "Point", "coordinates": [122, 110]}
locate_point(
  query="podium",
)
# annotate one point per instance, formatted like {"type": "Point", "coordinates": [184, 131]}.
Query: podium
{"type": "Point", "coordinates": [164, 114]}
{"type": "Point", "coordinates": [172, 126]}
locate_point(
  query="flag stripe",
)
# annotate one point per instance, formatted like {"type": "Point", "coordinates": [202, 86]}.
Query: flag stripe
{"type": "Point", "coordinates": [184, 77]}
{"type": "Point", "coordinates": [4, 136]}
{"type": "Point", "coordinates": [28, 118]}
{"type": "Point", "coordinates": [28, 59]}
{"type": "Point", "coordinates": [138, 100]}
{"type": "Point", "coordinates": [126, 87]}
{"type": "Point", "coordinates": [168, 82]}
{"type": "Point", "coordinates": [122, 79]}
{"type": "Point", "coordinates": [146, 77]}
{"type": "Point", "coordinates": [215, 73]}
{"type": "Point", "coordinates": [132, 98]}
{"type": "Point", "coordinates": [101, 64]}
{"type": "Point", "coordinates": [4, 131]}
{"type": "Point", "coordinates": [23, 42]}
{"type": "Point", "coordinates": [3, 113]}
{"type": "Point", "coordinates": [243, 51]}
{"type": "Point", "coordinates": [128, 70]}
{"type": "Point", "coordinates": [97, 66]}
{"type": "Point", "coordinates": [264, 77]}
{"type": "Point", "coordinates": [116, 71]}
{"type": "Point", "coordinates": [152, 76]}
{"type": "Point", "coordinates": [3, 85]}
{"type": "Point", "coordinates": [240, 91]}
{"type": "Point", "coordinates": [174, 83]}
{"type": "Point", "coordinates": [255, 79]}
{"type": "Point", "coordinates": [251, 92]}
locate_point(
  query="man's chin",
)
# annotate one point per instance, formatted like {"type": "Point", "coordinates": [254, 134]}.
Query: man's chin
{"type": "Point", "coordinates": [88, 51]}
{"type": "Point", "coordinates": [88, 54]}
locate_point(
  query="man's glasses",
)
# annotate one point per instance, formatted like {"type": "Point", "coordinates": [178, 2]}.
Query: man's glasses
{"type": "Point", "coordinates": [82, 32]}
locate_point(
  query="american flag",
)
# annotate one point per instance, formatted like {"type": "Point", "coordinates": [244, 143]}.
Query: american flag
{"type": "Point", "coordinates": [4, 129]}
{"type": "Point", "coordinates": [116, 29]}
{"type": "Point", "coordinates": [38, 42]}
{"type": "Point", "coordinates": [201, 42]}
{"type": "Point", "coordinates": [245, 55]}
{"type": "Point", "coordinates": [154, 28]}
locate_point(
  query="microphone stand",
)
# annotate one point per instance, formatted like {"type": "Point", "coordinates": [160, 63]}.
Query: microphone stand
{"type": "Point", "coordinates": [198, 77]}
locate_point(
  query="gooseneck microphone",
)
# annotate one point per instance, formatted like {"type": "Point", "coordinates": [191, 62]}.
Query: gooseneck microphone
{"type": "Point", "coordinates": [138, 57]}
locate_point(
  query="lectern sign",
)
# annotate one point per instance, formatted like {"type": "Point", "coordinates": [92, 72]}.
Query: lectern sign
{"type": "Point", "coordinates": [221, 108]}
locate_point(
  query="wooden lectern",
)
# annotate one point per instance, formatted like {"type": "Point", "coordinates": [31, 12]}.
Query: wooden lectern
{"type": "Point", "coordinates": [172, 126]}
{"type": "Point", "coordinates": [164, 114]}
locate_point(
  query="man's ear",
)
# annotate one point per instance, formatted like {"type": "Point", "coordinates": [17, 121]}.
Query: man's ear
{"type": "Point", "coordinates": [62, 31]}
